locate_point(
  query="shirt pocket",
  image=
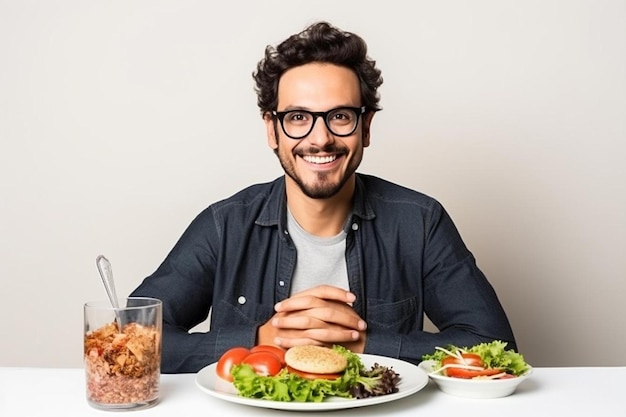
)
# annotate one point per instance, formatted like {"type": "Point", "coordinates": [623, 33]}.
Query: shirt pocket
{"type": "Point", "coordinates": [398, 316]}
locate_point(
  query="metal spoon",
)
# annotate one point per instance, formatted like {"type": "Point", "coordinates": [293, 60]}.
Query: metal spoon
{"type": "Point", "coordinates": [106, 273]}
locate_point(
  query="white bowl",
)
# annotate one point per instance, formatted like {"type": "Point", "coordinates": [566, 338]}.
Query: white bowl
{"type": "Point", "coordinates": [474, 388]}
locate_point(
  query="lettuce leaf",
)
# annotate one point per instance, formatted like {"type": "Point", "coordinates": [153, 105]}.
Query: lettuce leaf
{"type": "Point", "coordinates": [290, 387]}
{"type": "Point", "coordinates": [493, 355]}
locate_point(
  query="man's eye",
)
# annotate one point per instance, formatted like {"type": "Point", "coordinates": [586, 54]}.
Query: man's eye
{"type": "Point", "coordinates": [341, 116]}
{"type": "Point", "coordinates": [296, 116]}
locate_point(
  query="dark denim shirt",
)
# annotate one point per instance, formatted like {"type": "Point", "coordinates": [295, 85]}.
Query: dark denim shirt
{"type": "Point", "coordinates": [405, 259]}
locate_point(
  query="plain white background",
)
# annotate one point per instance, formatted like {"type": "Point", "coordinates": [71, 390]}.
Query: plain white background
{"type": "Point", "coordinates": [121, 120]}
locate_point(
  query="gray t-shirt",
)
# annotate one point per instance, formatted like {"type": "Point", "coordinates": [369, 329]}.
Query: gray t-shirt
{"type": "Point", "coordinates": [321, 260]}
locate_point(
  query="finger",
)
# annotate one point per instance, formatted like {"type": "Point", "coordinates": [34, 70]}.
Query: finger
{"type": "Point", "coordinates": [328, 292]}
{"type": "Point", "coordinates": [332, 335]}
{"type": "Point", "coordinates": [288, 342]}
{"type": "Point", "coordinates": [304, 301]}
{"type": "Point", "coordinates": [320, 337]}
{"type": "Point", "coordinates": [301, 302]}
{"type": "Point", "coordinates": [297, 322]}
{"type": "Point", "coordinates": [335, 315]}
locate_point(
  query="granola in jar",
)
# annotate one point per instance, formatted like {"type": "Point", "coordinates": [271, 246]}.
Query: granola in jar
{"type": "Point", "coordinates": [122, 367]}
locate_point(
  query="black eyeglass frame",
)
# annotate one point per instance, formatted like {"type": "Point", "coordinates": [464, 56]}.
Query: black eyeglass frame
{"type": "Point", "coordinates": [359, 111]}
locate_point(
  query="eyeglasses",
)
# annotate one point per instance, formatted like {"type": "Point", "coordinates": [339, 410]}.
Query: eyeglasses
{"type": "Point", "coordinates": [341, 121]}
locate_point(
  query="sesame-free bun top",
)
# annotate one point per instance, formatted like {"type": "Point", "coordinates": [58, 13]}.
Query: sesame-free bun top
{"type": "Point", "coordinates": [315, 359]}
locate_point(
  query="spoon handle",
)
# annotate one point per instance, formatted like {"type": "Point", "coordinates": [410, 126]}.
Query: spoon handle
{"type": "Point", "coordinates": [106, 273]}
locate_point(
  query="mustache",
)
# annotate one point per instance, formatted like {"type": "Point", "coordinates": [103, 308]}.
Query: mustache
{"type": "Point", "coordinates": [326, 149]}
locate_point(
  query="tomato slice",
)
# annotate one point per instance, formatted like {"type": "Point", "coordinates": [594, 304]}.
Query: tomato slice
{"type": "Point", "coordinates": [264, 363]}
{"type": "Point", "coordinates": [310, 375]}
{"type": "Point", "coordinates": [470, 373]}
{"type": "Point", "coordinates": [276, 350]}
{"type": "Point", "coordinates": [471, 359]}
{"type": "Point", "coordinates": [230, 358]}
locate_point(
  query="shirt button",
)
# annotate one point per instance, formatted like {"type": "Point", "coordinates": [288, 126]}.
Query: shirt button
{"type": "Point", "coordinates": [281, 283]}
{"type": "Point", "coordinates": [241, 299]}
{"type": "Point", "coordinates": [355, 226]}
{"type": "Point", "coordinates": [286, 231]}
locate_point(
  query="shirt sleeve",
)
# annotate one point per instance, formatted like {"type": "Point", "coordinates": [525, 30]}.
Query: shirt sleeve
{"type": "Point", "coordinates": [457, 298]}
{"type": "Point", "coordinates": [184, 283]}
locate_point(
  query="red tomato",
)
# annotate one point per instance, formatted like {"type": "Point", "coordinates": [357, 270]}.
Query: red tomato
{"type": "Point", "coordinates": [276, 350]}
{"type": "Point", "coordinates": [264, 363]}
{"type": "Point", "coordinates": [309, 375]}
{"type": "Point", "coordinates": [471, 359]}
{"type": "Point", "coordinates": [469, 373]}
{"type": "Point", "coordinates": [230, 358]}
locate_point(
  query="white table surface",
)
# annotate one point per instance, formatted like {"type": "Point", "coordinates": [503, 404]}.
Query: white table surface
{"type": "Point", "coordinates": [584, 391]}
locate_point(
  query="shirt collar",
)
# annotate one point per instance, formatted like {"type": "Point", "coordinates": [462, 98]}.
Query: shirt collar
{"type": "Point", "coordinates": [274, 212]}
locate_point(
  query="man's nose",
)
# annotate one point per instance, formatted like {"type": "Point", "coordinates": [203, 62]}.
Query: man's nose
{"type": "Point", "coordinates": [320, 135]}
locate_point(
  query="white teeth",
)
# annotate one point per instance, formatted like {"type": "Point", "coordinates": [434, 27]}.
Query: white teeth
{"type": "Point", "coordinates": [319, 159]}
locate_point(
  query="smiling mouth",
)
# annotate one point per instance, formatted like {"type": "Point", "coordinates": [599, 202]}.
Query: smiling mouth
{"type": "Point", "coordinates": [319, 159]}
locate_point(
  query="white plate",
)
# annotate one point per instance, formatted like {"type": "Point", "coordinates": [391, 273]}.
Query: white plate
{"type": "Point", "coordinates": [412, 379]}
{"type": "Point", "coordinates": [474, 388]}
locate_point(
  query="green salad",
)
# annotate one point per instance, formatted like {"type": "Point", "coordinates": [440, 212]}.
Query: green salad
{"type": "Point", "coordinates": [493, 355]}
{"type": "Point", "coordinates": [355, 382]}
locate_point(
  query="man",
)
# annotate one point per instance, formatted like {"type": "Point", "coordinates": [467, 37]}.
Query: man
{"type": "Point", "coordinates": [323, 255]}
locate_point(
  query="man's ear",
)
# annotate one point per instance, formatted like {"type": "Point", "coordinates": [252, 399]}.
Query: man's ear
{"type": "Point", "coordinates": [270, 131]}
{"type": "Point", "coordinates": [367, 121]}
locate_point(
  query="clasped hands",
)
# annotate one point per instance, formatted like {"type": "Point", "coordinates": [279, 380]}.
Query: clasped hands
{"type": "Point", "coordinates": [321, 316]}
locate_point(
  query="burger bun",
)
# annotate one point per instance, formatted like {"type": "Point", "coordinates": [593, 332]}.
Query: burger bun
{"type": "Point", "coordinates": [315, 359]}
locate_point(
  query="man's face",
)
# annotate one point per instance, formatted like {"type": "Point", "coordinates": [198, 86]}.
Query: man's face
{"type": "Point", "coordinates": [320, 163]}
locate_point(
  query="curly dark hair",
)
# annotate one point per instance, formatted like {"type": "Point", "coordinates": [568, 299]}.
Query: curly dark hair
{"type": "Point", "coordinates": [320, 42]}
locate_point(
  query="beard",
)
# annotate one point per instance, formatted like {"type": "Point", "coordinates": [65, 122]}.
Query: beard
{"type": "Point", "coordinates": [323, 187]}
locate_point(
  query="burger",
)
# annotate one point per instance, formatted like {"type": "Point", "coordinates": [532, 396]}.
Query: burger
{"type": "Point", "coordinates": [315, 362]}
{"type": "Point", "coordinates": [312, 373]}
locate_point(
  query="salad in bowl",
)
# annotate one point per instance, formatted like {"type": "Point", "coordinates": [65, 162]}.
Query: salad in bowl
{"type": "Point", "coordinates": [486, 370]}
